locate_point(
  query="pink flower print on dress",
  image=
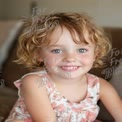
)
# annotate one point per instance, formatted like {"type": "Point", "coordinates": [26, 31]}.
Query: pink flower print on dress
{"type": "Point", "coordinates": [55, 96]}
{"type": "Point", "coordinates": [60, 108]}
{"type": "Point", "coordinates": [90, 99]}
{"type": "Point", "coordinates": [68, 118]}
{"type": "Point", "coordinates": [90, 115]}
{"type": "Point", "coordinates": [77, 109]}
{"type": "Point", "coordinates": [84, 111]}
{"type": "Point", "coordinates": [84, 120]}
{"type": "Point", "coordinates": [28, 120]}
{"type": "Point", "coordinates": [49, 83]}
{"type": "Point", "coordinates": [17, 83]}
{"type": "Point", "coordinates": [92, 82]}
{"type": "Point", "coordinates": [53, 105]}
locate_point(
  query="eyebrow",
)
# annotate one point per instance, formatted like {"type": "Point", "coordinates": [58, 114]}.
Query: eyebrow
{"type": "Point", "coordinates": [55, 45]}
{"type": "Point", "coordinates": [79, 45]}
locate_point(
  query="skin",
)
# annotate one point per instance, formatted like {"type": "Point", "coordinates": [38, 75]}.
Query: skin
{"type": "Point", "coordinates": [67, 64]}
{"type": "Point", "coordinates": [64, 59]}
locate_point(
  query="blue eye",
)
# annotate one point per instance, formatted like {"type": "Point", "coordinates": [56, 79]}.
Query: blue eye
{"type": "Point", "coordinates": [56, 51]}
{"type": "Point", "coordinates": [82, 50]}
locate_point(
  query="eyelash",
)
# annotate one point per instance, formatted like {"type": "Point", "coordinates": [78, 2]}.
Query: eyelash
{"type": "Point", "coordinates": [82, 50]}
{"type": "Point", "coordinates": [56, 51]}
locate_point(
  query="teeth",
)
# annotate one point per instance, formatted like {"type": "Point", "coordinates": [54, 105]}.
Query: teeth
{"type": "Point", "coordinates": [69, 67]}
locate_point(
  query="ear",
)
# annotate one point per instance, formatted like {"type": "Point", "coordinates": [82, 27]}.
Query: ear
{"type": "Point", "coordinates": [95, 55]}
{"type": "Point", "coordinates": [39, 55]}
{"type": "Point", "coordinates": [40, 59]}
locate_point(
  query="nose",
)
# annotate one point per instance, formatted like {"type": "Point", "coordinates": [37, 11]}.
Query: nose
{"type": "Point", "coordinates": [70, 57]}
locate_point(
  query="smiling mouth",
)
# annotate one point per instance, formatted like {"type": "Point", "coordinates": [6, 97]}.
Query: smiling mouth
{"type": "Point", "coordinates": [69, 68]}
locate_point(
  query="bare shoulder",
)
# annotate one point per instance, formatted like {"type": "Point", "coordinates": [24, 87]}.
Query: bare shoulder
{"type": "Point", "coordinates": [36, 98]}
{"type": "Point", "coordinates": [31, 77]}
{"type": "Point", "coordinates": [33, 87]}
{"type": "Point", "coordinates": [32, 81]}
{"type": "Point", "coordinates": [104, 82]}
{"type": "Point", "coordinates": [111, 99]}
{"type": "Point", "coordinates": [105, 86]}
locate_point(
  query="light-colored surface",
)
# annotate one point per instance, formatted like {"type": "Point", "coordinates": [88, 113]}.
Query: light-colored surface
{"type": "Point", "coordinates": [5, 29]}
{"type": "Point", "coordinates": [8, 32]}
{"type": "Point", "coordinates": [105, 12]}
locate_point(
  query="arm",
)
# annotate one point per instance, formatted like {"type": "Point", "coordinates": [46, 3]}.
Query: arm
{"type": "Point", "coordinates": [36, 99]}
{"type": "Point", "coordinates": [111, 100]}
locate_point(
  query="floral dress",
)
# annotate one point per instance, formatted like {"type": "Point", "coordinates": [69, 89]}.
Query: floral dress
{"type": "Point", "coordinates": [66, 111]}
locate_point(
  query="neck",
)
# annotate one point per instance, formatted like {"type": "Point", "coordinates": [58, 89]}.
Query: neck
{"type": "Point", "coordinates": [68, 81]}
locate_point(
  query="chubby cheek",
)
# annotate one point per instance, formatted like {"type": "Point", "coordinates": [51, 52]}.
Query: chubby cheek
{"type": "Point", "coordinates": [87, 59]}
{"type": "Point", "coordinates": [51, 61]}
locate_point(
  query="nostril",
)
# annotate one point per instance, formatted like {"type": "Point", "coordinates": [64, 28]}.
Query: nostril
{"type": "Point", "coordinates": [69, 59]}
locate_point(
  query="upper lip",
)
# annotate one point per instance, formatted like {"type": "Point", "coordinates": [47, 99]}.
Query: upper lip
{"type": "Point", "coordinates": [70, 66]}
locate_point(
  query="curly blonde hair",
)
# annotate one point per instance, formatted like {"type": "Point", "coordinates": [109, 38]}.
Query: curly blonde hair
{"type": "Point", "coordinates": [38, 29]}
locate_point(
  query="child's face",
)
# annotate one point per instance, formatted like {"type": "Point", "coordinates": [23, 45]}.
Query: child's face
{"type": "Point", "coordinates": [64, 58]}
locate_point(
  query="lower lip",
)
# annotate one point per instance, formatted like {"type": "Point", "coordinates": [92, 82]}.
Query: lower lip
{"type": "Point", "coordinates": [69, 68]}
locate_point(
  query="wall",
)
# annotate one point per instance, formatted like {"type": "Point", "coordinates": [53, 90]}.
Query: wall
{"type": "Point", "coordinates": [1, 9]}
{"type": "Point", "coordinates": [15, 9]}
{"type": "Point", "coordinates": [104, 12]}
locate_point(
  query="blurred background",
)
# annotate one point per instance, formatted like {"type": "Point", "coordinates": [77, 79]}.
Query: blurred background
{"type": "Point", "coordinates": [106, 13]}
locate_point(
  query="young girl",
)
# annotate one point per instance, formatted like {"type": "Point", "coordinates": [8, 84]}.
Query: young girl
{"type": "Point", "coordinates": [62, 48]}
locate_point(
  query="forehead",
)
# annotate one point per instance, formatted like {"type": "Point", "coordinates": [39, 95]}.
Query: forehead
{"type": "Point", "coordinates": [62, 33]}
{"type": "Point", "coordinates": [55, 35]}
